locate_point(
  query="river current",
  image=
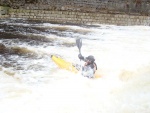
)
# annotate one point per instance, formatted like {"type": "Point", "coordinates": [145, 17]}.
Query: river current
{"type": "Point", "coordinates": [30, 82]}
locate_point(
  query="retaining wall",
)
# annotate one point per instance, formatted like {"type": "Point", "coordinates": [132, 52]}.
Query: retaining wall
{"type": "Point", "coordinates": [4, 11]}
{"type": "Point", "coordinates": [80, 17]}
{"type": "Point", "coordinates": [75, 17]}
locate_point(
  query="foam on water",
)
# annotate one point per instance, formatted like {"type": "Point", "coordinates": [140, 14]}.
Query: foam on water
{"type": "Point", "coordinates": [122, 54]}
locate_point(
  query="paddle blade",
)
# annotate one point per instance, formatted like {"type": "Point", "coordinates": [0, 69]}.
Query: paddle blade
{"type": "Point", "coordinates": [79, 43]}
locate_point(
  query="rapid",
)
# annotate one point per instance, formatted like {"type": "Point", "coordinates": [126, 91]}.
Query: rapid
{"type": "Point", "coordinates": [30, 82]}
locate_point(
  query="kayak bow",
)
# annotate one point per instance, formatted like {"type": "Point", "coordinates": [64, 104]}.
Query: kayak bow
{"type": "Point", "coordinates": [61, 63]}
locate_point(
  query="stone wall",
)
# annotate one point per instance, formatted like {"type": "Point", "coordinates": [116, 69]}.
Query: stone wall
{"type": "Point", "coordinates": [4, 11]}
{"type": "Point", "coordinates": [75, 16]}
{"type": "Point", "coordinates": [80, 17]}
{"type": "Point", "coordinates": [141, 7]}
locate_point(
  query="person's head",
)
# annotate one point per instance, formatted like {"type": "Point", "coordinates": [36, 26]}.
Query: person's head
{"type": "Point", "coordinates": [90, 59]}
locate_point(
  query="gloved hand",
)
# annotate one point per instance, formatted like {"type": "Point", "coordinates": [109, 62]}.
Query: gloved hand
{"type": "Point", "coordinates": [81, 57]}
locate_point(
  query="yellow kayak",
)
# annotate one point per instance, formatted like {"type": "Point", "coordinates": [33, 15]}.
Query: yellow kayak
{"type": "Point", "coordinates": [63, 64]}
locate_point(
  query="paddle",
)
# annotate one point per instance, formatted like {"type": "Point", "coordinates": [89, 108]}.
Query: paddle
{"type": "Point", "coordinates": [79, 44]}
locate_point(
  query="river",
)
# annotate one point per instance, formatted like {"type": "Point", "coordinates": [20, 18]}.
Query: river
{"type": "Point", "coordinates": [31, 82]}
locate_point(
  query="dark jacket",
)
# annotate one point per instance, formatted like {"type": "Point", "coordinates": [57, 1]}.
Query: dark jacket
{"type": "Point", "coordinates": [88, 69]}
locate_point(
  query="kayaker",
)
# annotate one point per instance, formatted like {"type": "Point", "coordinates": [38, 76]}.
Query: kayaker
{"type": "Point", "coordinates": [89, 67]}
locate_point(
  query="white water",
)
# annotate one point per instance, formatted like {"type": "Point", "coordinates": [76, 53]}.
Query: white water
{"type": "Point", "coordinates": [123, 57]}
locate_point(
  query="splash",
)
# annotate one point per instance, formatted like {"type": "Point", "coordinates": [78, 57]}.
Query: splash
{"type": "Point", "coordinates": [31, 83]}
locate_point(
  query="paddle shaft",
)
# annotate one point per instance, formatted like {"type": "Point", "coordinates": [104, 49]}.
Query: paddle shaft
{"type": "Point", "coordinates": [79, 44]}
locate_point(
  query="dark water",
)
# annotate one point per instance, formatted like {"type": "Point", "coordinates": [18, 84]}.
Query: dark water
{"type": "Point", "coordinates": [20, 40]}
